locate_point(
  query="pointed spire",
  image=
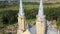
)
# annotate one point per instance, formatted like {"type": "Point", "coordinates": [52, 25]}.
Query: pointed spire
{"type": "Point", "coordinates": [21, 9]}
{"type": "Point", "coordinates": [40, 12]}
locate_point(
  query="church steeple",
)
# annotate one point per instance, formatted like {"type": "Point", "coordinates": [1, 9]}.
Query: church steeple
{"type": "Point", "coordinates": [21, 11]}
{"type": "Point", "coordinates": [41, 12]}
{"type": "Point", "coordinates": [40, 22]}
{"type": "Point", "coordinates": [21, 20]}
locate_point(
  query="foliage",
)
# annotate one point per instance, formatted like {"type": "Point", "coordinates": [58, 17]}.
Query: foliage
{"type": "Point", "coordinates": [52, 12]}
{"type": "Point", "coordinates": [31, 3]}
{"type": "Point", "coordinates": [58, 22]}
{"type": "Point", "coordinates": [9, 16]}
{"type": "Point", "coordinates": [3, 4]}
{"type": "Point", "coordinates": [31, 13]}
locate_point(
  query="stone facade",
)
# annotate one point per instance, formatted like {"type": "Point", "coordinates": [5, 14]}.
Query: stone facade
{"type": "Point", "coordinates": [21, 24]}
{"type": "Point", "coordinates": [22, 29]}
{"type": "Point", "coordinates": [40, 25]}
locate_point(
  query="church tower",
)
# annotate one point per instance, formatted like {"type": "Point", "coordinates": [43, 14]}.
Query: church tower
{"type": "Point", "coordinates": [22, 27]}
{"type": "Point", "coordinates": [21, 20]}
{"type": "Point", "coordinates": [40, 22]}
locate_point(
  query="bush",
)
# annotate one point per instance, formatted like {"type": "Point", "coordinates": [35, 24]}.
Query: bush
{"type": "Point", "coordinates": [9, 16]}
{"type": "Point", "coordinates": [52, 13]}
{"type": "Point", "coordinates": [31, 13]}
{"type": "Point", "coordinates": [31, 3]}
{"type": "Point", "coordinates": [4, 4]}
{"type": "Point", "coordinates": [58, 22]}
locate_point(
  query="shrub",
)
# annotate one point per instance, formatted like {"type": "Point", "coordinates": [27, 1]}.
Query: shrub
{"type": "Point", "coordinates": [10, 16]}
{"type": "Point", "coordinates": [31, 13]}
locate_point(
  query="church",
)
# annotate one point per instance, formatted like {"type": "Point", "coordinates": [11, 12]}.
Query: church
{"type": "Point", "coordinates": [42, 25]}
